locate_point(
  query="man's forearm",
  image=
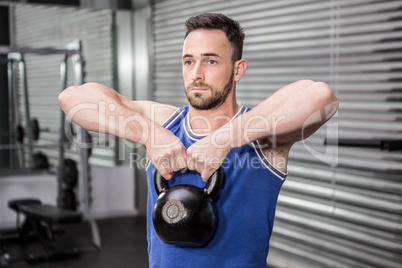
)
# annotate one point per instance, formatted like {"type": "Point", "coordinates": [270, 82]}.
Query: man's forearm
{"type": "Point", "coordinates": [291, 114]}
{"type": "Point", "coordinates": [98, 108]}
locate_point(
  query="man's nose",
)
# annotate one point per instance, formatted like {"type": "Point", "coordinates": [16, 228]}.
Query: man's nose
{"type": "Point", "coordinates": [197, 73]}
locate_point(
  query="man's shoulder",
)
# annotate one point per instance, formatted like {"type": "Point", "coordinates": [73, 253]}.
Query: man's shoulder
{"type": "Point", "coordinates": [177, 116]}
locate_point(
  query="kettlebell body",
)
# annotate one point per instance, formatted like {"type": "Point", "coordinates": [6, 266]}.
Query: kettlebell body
{"type": "Point", "coordinates": [186, 215]}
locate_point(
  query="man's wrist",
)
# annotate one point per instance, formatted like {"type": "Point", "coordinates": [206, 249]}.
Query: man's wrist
{"type": "Point", "coordinates": [224, 138]}
{"type": "Point", "coordinates": [137, 129]}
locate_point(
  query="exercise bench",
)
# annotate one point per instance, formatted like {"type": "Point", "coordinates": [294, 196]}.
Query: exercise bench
{"type": "Point", "coordinates": [39, 221]}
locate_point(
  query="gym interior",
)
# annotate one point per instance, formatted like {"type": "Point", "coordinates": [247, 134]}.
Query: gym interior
{"type": "Point", "coordinates": [74, 198]}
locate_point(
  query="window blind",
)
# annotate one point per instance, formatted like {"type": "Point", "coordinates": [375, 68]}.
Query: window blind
{"type": "Point", "coordinates": [42, 26]}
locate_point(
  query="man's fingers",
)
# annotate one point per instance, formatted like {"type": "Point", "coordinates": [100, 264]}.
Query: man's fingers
{"type": "Point", "coordinates": [165, 173]}
{"type": "Point", "coordinates": [179, 161]}
{"type": "Point", "coordinates": [168, 160]}
{"type": "Point", "coordinates": [190, 163]}
{"type": "Point", "coordinates": [209, 169]}
{"type": "Point", "coordinates": [206, 174]}
{"type": "Point", "coordinates": [169, 168]}
{"type": "Point", "coordinates": [195, 164]}
{"type": "Point", "coordinates": [206, 166]}
{"type": "Point", "coordinates": [182, 162]}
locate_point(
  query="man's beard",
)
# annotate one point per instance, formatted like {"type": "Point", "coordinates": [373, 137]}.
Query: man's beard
{"type": "Point", "coordinates": [212, 102]}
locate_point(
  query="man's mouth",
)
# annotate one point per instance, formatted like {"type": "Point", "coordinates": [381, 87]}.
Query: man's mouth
{"type": "Point", "coordinates": [198, 89]}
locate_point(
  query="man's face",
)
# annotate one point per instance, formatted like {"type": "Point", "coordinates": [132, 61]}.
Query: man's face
{"type": "Point", "coordinates": [207, 68]}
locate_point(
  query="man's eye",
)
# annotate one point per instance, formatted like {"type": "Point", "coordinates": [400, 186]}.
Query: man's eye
{"type": "Point", "coordinates": [212, 62]}
{"type": "Point", "coordinates": [188, 62]}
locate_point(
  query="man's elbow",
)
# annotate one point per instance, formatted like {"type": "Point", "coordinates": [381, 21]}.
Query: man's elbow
{"type": "Point", "coordinates": [66, 95]}
{"type": "Point", "coordinates": [325, 97]}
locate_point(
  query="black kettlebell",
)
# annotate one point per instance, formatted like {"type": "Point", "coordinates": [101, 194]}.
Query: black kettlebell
{"type": "Point", "coordinates": [185, 215]}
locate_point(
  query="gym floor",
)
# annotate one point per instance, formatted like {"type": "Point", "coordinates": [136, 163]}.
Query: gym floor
{"type": "Point", "coordinates": [123, 245]}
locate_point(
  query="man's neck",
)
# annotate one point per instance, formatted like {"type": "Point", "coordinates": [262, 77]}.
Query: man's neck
{"type": "Point", "coordinates": [207, 121]}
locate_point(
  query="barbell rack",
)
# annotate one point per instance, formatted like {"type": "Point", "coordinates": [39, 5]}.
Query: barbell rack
{"type": "Point", "coordinates": [74, 52]}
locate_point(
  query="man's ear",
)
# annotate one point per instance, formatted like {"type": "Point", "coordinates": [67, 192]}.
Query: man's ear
{"type": "Point", "coordinates": [240, 69]}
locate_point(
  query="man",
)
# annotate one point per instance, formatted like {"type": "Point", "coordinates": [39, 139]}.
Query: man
{"type": "Point", "coordinates": [252, 146]}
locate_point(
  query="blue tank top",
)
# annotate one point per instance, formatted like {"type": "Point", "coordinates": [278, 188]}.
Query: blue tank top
{"type": "Point", "coordinates": [246, 207]}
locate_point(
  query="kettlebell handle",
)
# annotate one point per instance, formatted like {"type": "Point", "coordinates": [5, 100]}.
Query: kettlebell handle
{"type": "Point", "coordinates": [212, 187]}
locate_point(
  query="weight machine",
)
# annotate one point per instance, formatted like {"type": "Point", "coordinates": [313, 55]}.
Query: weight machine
{"type": "Point", "coordinates": [37, 215]}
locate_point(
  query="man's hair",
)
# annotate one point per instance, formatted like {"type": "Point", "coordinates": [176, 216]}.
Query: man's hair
{"type": "Point", "coordinates": [216, 21]}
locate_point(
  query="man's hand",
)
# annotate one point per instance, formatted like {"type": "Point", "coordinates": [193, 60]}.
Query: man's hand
{"type": "Point", "coordinates": [208, 154]}
{"type": "Point", "coordinates": [166, 152]}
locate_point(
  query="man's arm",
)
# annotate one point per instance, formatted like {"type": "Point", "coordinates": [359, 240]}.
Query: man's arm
{"type": "Point", "coordinates": [99, 108]}
{"type": "Point", "coordinates": [291, 114]}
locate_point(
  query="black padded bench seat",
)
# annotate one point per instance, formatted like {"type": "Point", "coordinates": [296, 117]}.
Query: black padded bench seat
{"type": "Point", "coordinates": [39, 221]}
{"type": "Point", "coordinates": [34, 209]}
{"type": "Point", "coordinates": [49, 213]}
{"type": "Point", "coordinates": [14, 204]}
